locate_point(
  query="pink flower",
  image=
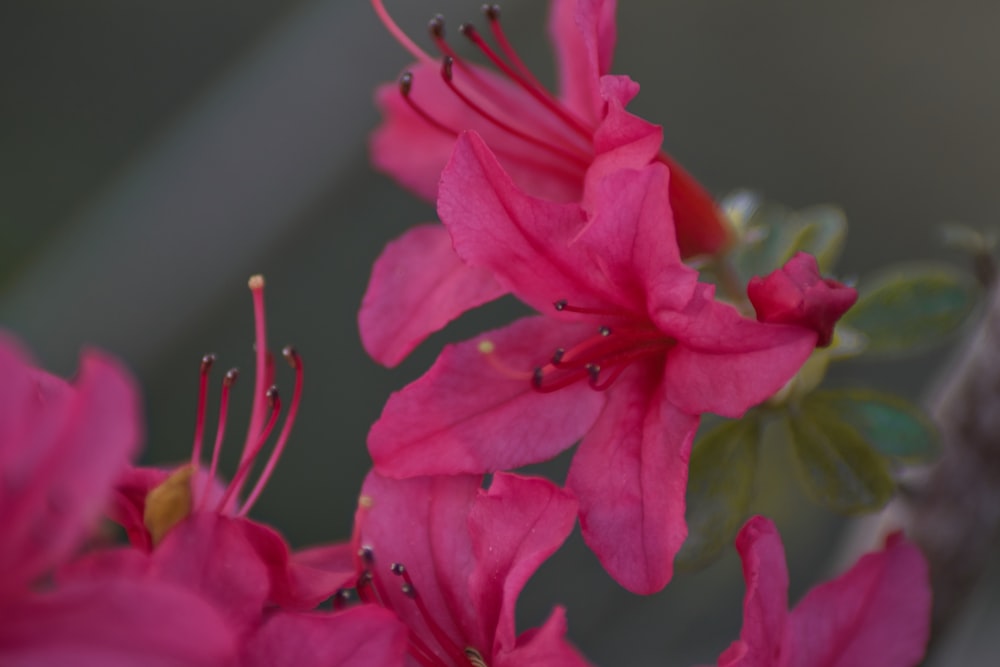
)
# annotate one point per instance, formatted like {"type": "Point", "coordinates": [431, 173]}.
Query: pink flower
{"type": "Point", "coordinates": [875, 615]}
{"type": "Point", "coordinates": [546, 142]}
{"type": "Point", "coordinates": [196, 530]}
{"type": "Point", "coordinates": [61, 447]}
{"type": "Point", "coordinates": [450, 559]}
{"type": "Point", "coordinates": [634, 350]}
{"type": "Point", "coordinates": [797, 294]}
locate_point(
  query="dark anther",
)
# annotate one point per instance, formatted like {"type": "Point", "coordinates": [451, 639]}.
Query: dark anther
{"type": "Point", "coordinates": [595, 371]}
{"type": "Point", "coordinates": [557, 356]}
{"type": "Point", "coordinates": [367, 554]}
{"type": "Point", "coordinates": [408, 590]}
{"type": "Point", "coordinates": [406, 83]}
{"type": "Point", "coordinates": [272, 396]}
{"type": "Point", "coordinates": [537, 377]}
{"type": "Point", "coordinates": [604, 331]}
{"type": "Point", "coordinates": [468, 30]}
{"type": "Point", "coordinates": [397, 569]}
{"type": "Point", "coordinates": [232, 375]}
{"type": "Point", "coordinates": [365, 578]}
{"type": "Point", "coordinates": [446, 64]}
{"type": "Point", "coordinates": [344, 594]}
{"type": "Point", "coordinates": [560, 304]}
{"type": "Point", "coordinates": [206, 363]}
{"type": "Point", "coordinates": [492, 12]}
{"type": "Point", "coordinates": [291, 355]}
{"type": "Point", "coordinates": [436, 26]}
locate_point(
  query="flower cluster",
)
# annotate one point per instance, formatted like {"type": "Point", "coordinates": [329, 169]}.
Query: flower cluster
{"type": "Point", "coordinates": [565, 201]}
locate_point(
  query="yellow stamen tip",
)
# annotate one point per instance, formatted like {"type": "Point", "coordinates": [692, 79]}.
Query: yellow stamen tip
{"type": "Point", "coordinates": [256, 282]}
{"type": "Point", "coordinates": [486, 346]}
{"type": "Point", "coordinates": [168, 504]}
{"type": "Point", "coordinates": [366, 502]}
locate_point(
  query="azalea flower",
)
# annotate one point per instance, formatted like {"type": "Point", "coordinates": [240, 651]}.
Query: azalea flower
{"type": "Point", "coordinates": [450, 558]}
{"type": "Point", "coordinates": [797, 294]}
{"type": "Point", "coordinates": [877, 614]}
{"type": "Point", "coordinates": [195, 529]}
{"type": "Point", "coordinates": [632, 352]}
{"type": "Point", "coordinates": [61, 447]}
{"type": "Point", "coordinates": [546, 142]}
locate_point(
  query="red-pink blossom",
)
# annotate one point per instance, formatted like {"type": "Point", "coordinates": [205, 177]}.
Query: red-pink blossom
{"type": "Point", "coordinates": [633, 352]}
{"type": "Point", "coordinates": [877, 614]}
{"type": "Point", "coordinates": [450, 559]}
{"type": "Point", "coordinates": [61, 447]}
{"type": "Point", "coordinates": [797, 294]}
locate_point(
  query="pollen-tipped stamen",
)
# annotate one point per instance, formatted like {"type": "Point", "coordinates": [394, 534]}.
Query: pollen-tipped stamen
{"type": "Point", "coordinates": [220, 431]}
{"type": "Point", "coordinates": [199, 425]}
{"type": "Point", "coordinates": [410, 590]}
{"type": "Point", "coordinates": [232, 491]}
{"type": "Point", "coordinates": [492, 14]}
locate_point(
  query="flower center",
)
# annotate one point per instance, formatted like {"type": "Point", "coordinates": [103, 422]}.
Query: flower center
{"type": "Point", "coordinates": [441, 650]}
{"type": "Point", "coordinates": [603, 357]}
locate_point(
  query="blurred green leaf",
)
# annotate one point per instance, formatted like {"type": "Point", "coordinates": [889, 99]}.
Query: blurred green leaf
{"type": "Point", "coordinates": [910, 307]}
{"type": "Point", "coordinates": [895, 427]}
{"type": "Point", "coordinates": [824, 229]}
{"type": "Point", "coordinates": [835, 463]}
{"type": "Point", "coordinates": [720, 486]}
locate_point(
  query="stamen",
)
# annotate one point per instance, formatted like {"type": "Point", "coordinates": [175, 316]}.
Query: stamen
{"type": "Point", "coordinates": [405, 86]}
{"type": "Point", "coordinates": [274, 400]}
{"type": "Point", "coordinates": [474, 657]}
{"type": "Point", "coordinates": [220, 431]}
{"type": "Point", "coordinates": [199, 425]}
{"type": "Point", "coordinates": [259, 409]}
{"type": "Point", "coordinates": [446, 642]}
{"type": "Point", "coordinates": [398, 34]}
{"type": "Point", "coordinates": [295, 361]}
{"type": "Point", "coordinates": [446, 74]}
{"type": "Point", "coordinates": [563, 306]}
{"type": "Point", "coordinates": [492, 14]}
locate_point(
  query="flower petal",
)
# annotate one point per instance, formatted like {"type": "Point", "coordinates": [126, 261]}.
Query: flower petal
{"type": "Point", "coordinates": [365, 636]}
{"type": "Point", "coordinates": [725, 363]}
{"type": "Point", "coordinates": [514, 526]}
{"type": "Point", "coordinates": [61, 448]}
{"type": "Point", "coordinates": [439, 424]}
{"type": "Point", "coordinates": [875, 615]}
{"type": "Point", "coordinates": [765, 605]}
{"type": "Point", "coordinates": [115, 622]}
{"type": "Point", "coordinates": [417, 286]}
{"type": "Point", "coordinates": [630, 475]}
{"type": "Point", "coordinates": [543, 647]}
{"type": "Point", "coordinates": [583, 33]}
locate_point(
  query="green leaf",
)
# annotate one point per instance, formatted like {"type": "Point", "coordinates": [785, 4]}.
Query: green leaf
{"type": "Point", "coordinates": [839, 469]}
{"type": "Point", "coordinates": [910, 307]}
{"type": "Point", "coordinates": [895, 427]}
{"type": "Point", "coordinates": [720, 485]}
{"type": "Point", "coordinates": [824, 229]}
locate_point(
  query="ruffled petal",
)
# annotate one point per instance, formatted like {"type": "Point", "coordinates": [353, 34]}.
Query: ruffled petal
{"type": "Point", "coordinates": [765, 605]}
{"type": "Point", "coordinates": [630, 476]}
{"type": "Point", "coordinates": [61, 448]}
{"type": "Point", "coordinates": [725, 363]}
{"type": "Point", "coordinates": [622, 140]}
{"type": "Point", "coordinates": [545, 646]}
{"type": "Point", "coordinates": [583, 33]}
{"type": "Point", "coordinates": [115, 622]}
{"type": "Point", "coordinates": [514, 526]}
{"type": "Point", "coordinates": [417, 286]}
{"type": "Point", "coordinates": [365, 636]}
{"type": "Point", "coordinates": [436, 425]}
{"type": "Point", "coordinates": [875, 615]}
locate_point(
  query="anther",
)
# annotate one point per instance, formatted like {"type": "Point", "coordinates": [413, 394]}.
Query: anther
{"type": "Point", "coordinates": [468, 30]}
{"type": "Point", "coordinates": [273, 398]}
{"type": "Point", "coordinates": [604, 331]}
{"type": "Point", "coordinates": [560, 304]}
{"type": "Point", "coordinates": [537, 377]}
{"type": "Point", "coordinates": [558, 355]}
{"type": "Point", "coordinates": [436, 27]}
{"type": "Point", "coordinates": [232, 375]}
{"type": "Point", "coordinates": [408, 590]}
{"type": "Point", "coordinates": [491, 12]}
{"type": "Point", "coordinates": [405, 83]}
{"type": "Point", "coordinates": [594, 371]}
{"type": "Point", "coordinates": [446, 68]}
{"type": "Point", "coordinates": [367, 554]}
{"type": "Point", "coordinates": [291, 355]}
{"type": "Point", "coordinates": [397, 569]}
{"type": "Point", "coordinates": [206, 363]}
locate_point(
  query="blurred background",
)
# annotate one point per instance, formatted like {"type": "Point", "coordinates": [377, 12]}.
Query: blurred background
{"type": "Point", "coordinates": [154, 155]}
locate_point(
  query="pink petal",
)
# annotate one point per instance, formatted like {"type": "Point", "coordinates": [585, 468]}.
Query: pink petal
{"type": "Point", "coordinates": [436, 425]}
{"type": "Point", "coordinates": [543, 647]}
{"type": "Point", "coordinates": [765, 605]}
{"type": "Point", "coordinates": [115, 622]}
{"type": "Point", "coordinates": [212, 555]}
{"type": "Point", "coordinates": [365, 636]}
{"type": "Point", "coordinates": [422, 523]}
{"type": "Point", "coordinates": [622, 140]}
{"type": "Point", "coordinates": [417, 286]}
{"type": "Point", "coordinates": [527, 243]}
{"type": "Point", "coordinates": [725, 363]}
{"type": "Point", "coordinates": [414, 151]}
{"type": "Point", "coordinates": [61, 448]}
{"type": "Point", "coordinates": [875, 615]}
{"type": "Point", "coordinates": [514, 526]}
{"type": "Point", "coordinates": [630, 475]}
{"type": "Point", "coordinates": [583, 32]}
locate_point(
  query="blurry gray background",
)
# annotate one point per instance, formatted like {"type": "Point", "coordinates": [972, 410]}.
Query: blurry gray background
{"type": "Point", "coordinates": [154, 155]}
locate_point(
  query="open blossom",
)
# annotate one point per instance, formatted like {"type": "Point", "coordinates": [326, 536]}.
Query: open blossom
{"type": "Point", "coordinates": [450, 559]}
{"type": "Point", "coordinates": [797, 294]}
{"type": "Point", "coordinates": [633, 352]}
{"type": "Point", "coordinates": [61, 447]}
{"type": "Point", "coordinates": [547, 143]}
{"type": "Point", "coordinates": [877, 614]}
